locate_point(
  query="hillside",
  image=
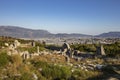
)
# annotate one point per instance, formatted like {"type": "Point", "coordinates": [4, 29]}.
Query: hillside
{"type": "Point", "coordinates": [20, 32]}
{"type": "Point", "coordinates": [110, 35]}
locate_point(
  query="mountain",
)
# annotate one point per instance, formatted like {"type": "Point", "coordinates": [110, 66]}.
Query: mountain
{"type": "Point", "coordinates": [19, 32]}
{"type": "Point", "coordinates": [110, 34]}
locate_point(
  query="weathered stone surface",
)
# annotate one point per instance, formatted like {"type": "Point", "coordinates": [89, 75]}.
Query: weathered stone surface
{"type": "Point", "coordinates": [66, 46]}
{"type": "Point", "coordinates": [67, 59]}
{"type": "Point", "coordinates": [67, 50]}
{"type": "Point", "coordinates": [25, 55]}
{"type": "Point", "coordinates": [16, 43]}
{"type": "Point", "coordinates": [6, 44]}
{"type": "Point", "coordinates": [11, 47]}
{"type": "Point", "coordinates": [100, 50]}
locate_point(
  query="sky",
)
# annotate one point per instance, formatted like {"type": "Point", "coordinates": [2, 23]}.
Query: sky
{"type": "Point", "coordinates": [62, 16]}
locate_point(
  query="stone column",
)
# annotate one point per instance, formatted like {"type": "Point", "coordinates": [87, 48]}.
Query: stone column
{"type": "Point", "coordinates": [102, 50]}
{"type": "Point", "coordinates": [38, 51]}
{"type": "Point", "coordinates": [33, 44]}
{"type": "Point", "coordinates": [71, 53]}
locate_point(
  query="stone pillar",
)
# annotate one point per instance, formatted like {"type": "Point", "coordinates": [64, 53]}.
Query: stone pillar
{"type": "Point", "coordinates": [33, 44]}
{"type": "Point", "coordinates": [25, 55]}
{"type": "Point", "coordinates": [100, 50]}
{"type": "Point", "coordinates": [38, 51]}
{"type": "Point", "coordinates": [72, 53]}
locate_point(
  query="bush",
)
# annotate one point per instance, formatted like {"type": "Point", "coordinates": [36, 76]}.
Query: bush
{"type": "Point", "coordinates": [4, 59]}
{"type": "Point", "coordinates": [50, 71]}
{"type": "Point", "coordinates": [53, 47]}
{"type": "Point", "coordinates": [56, 72]}
{"type": "Point", "coordinates": [16, 59]}
{"type": "Point", "coordinates": [26, 76]}
{"type": "Point", "coordinates": [39, 64]}
{"type": "Point", "coordinates": [84, 47]}
{"type": "Point", "coordinates": [83, 75]}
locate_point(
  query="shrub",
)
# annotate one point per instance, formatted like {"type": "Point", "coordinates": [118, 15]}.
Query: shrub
{"type": "Point", "coordinates": [50, 71]}
{"type": "Point", "coordinates": [26, 76]}
{"type": "Point", "coordinates": [4, 59]}
{"type": "Point", "coordinates": [39, 64]}
{"type": "Point", "coordinates": [56, 72]}
{"type": "Point", "coordinates": [16, 59]}
{"type": "Point", "coordinates": [83, 75]}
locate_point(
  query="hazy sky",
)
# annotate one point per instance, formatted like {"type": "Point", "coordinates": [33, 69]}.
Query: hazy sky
{"type": "Point", "coordinates": [62, 16]}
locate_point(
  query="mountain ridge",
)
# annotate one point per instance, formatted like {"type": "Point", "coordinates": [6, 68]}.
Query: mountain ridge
{"type": "Point", "coordinates": [111, 34]}
{"type": "Point", "coordinates": [19, 32]}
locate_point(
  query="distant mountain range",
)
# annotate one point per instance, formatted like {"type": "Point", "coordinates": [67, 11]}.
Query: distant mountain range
{"type": "Point", "coordinates": [110, 34]}
{"type": "Point", "coordinates": [20, 32]}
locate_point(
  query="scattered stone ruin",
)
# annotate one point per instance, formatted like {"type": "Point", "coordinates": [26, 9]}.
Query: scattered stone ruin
{"type": "Point", "coordinates": [65, 50]}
